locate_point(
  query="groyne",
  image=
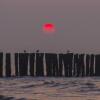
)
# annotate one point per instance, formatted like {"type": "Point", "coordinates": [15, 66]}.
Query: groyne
{"type": "Point", "coordinates": [51, 64]}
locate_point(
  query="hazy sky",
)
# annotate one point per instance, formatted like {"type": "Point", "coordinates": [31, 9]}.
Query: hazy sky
{"type": "Point", "coordinates": [77, 25]}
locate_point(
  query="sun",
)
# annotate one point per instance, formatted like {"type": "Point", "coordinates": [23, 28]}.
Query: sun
{"type": "Point", "coordinates": [48, 27]}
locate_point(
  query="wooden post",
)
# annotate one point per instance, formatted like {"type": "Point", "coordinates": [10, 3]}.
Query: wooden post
{"type": "Point", "coordinates": [87, 65]}
{"type": "Point", "coordinates": [92, 65]}
{"type": "Point", "coordinates": [1, 64]}
{"type": "Point", "coordinates": [23, 64]}
{"type": "Point", "coordinates": [39, 64]}
{"type": "Point", "coordinates": [8, 65]}
{"type": "Point", "coordinates": [97, 65]}
{"type": "Point", "coordinates": [51, 64]}
{"type": "Point", "coordinates": [55, 64]}
{"type": "Point", "coordinates": [60, 69]}
{"type": "Point", "coordinates": [32, 62]}
{"type": "Point", "coordinates": [48, 64]}
{"type": "Point", "coordinates": [81, 66]}
{"type": "Point", "coordinates": [70, 64]}
{"type": "Point", "coordinates": [68, 59]}
{"type": "Point", "coordinates": [16, 64]}
{"type": "Point", "coordinates": [75, 67]}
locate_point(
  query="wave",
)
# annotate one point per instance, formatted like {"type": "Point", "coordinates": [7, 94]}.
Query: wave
{"type": "Point", "coordinates": [29, 88]}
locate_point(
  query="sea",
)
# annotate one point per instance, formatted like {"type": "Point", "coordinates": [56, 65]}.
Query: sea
{"type": "Point", "coordinates": [50, 88]}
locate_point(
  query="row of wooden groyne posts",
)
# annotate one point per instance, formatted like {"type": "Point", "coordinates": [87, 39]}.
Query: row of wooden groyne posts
{"type": "Point", "coordinates": [51, 64]}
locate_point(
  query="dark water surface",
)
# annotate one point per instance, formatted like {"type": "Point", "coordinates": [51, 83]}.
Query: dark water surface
{"type": "Point", "coordinates": [43, 88]}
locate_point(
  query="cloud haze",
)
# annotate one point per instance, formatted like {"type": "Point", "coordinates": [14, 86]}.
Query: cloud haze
{"type": "Point", "coordinates": [77, 25]}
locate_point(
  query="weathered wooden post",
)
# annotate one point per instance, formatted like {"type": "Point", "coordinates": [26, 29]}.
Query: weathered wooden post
{"type": "Point", "coordinates": [68, 59]}
{"type": "Point", "coordinates": [55, 64]}
{"type": "Point", "coordinates": [8, 65]}
{"type": "Point", "coordinates": [39, 64]}
{"type": "Point", "coordinates": [16, 64]}
{"type": "Point", "coordinates": [81, 66]}
{"type": "Point", "coordinates": [87, 64]}
{"type": "Point", "coordinates": [1, 64]}
{"type": "Point", "coordinates": [78, 66]}
{"type": "Point", "coordinates": [92, 65]}
{"type": "Point", "coordinates": [97, 65]}
{"type": "Point", "coordinates": [23, 64]}
{"type": "Point", "coordinates": [70, 64]}
{"type": "Point", "coordinates": [60, 69]}
{"type": "Point", "coordinates": [51, 64]}
{"type": "Point", "coordinates": [76, 59]}
{"type": "Point", "coordinates": [32, 62]}
{"type": "Point", "coordinates": [48, 64]}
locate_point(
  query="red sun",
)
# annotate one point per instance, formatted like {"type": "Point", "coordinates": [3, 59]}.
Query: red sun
{"type": "Point", "coordinates": [48, 27]}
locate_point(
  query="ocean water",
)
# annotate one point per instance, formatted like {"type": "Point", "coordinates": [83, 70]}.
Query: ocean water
{"type": "Point", "coordinates": [49, 88]}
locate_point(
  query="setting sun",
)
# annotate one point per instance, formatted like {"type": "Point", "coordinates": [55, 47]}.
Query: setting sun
{"type": "Point", "coordinates": [48, 27]}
